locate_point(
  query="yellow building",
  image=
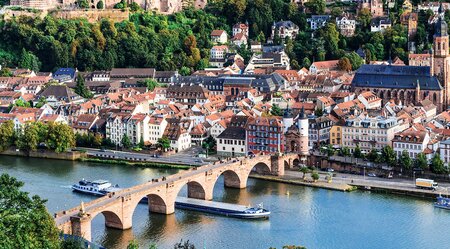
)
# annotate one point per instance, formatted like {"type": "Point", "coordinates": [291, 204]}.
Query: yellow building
{"type": "Point", "coordinates": [336, 135]}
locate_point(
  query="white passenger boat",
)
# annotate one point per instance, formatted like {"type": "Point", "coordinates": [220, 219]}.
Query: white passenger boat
{"type": "Point", "coordinates": [97, 187]}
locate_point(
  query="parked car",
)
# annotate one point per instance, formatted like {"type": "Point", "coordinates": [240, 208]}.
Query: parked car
{"type": "Point", "coordinates": [372, 175]}
{"type": "Point", "coordinates": [330, 170]}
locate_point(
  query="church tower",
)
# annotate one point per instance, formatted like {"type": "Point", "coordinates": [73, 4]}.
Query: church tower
{"type": "Point", "coordinates": [441, 59]}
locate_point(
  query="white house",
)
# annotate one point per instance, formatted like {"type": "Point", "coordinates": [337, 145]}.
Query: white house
{"type": "Point", "coordinates": [411, 141]}
{"type": "Point", "coordinates": [318, 21]}
{"type": "Point", "coordinates": [219, 36]}
{"type": "Point", "coordinates": [370, 100]}
{"type": "Point", "coordinates": [346, 25]}
{"type": "Point", "coordinates": [380, 24]}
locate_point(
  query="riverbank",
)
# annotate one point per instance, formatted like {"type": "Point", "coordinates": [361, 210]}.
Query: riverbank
{"type": "Point", "coordinates": [318, 184]}
{"type": "Point", "coordinates": [46, 154]}
{"type": "Point", "coordinates": [398, 190]}
{"type": "Point", "coordinates": [132, 163]}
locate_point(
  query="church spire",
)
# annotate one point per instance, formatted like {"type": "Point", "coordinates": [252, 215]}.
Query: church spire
{"type": "Point", "coordinates": [441, 26]}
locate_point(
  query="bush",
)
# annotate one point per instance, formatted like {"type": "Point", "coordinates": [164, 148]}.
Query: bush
{"type": "Point", "coordinates": [315, 176]}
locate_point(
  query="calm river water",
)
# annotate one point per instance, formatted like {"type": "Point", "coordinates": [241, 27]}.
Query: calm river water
{"type": "Point", "coordinates": [310, 217]}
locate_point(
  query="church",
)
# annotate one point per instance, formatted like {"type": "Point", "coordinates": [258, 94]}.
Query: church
{"type": "Point", "coordinates": [412, 84]}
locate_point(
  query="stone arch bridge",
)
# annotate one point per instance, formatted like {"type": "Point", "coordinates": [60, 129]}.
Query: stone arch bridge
{"type": "Point", "coordinates": [118, 207]}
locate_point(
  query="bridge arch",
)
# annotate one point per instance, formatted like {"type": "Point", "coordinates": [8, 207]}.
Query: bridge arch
{"type": "Point", "coordinates": [156, 204]}
{"type": "Point", "coordinates": [260, 168]}
{"type": "Point", "coordinates": [231, 179]}
{"type": "Point", "coordinates": [112, 220]}
{"type": "Point", "coordinates": [196, 190]}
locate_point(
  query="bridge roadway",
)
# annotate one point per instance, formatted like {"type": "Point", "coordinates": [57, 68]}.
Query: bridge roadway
{"type": "Point", "coordinates": [118, 207]}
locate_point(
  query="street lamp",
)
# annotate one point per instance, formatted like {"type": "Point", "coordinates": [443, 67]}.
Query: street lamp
{"type": "Point", "coordinates": [414, 176]}
{"type": "Point", "coordinates": [364, 173]}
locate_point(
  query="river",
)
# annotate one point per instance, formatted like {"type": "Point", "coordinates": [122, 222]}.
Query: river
{"type": "Point", "coordinates": [314, 218]}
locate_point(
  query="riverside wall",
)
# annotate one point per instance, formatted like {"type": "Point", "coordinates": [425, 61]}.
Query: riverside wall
{"type": "Point", "coordinates": [71, 155]}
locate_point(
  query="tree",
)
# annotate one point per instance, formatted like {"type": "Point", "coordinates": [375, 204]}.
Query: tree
{"type": "Point", "coordinates": [164, 143]}
{"type": "Point", "coordinates": [135, 7]}
{"type": "Point", "coordinates": [84, 4]}
{"type": "Point", "coordinates": [29, 60]}
{"type": "Point", "coordinates": [5, 72]}
{"type": "Point", "coordinates": [364, 17]}
{"type": "Point", "coordinates": [315, 176]}
{"type": "Point", "coordinates": [355, 60]}
{"type": "Point", "coordinates": [329, 150]}
{"type": "Point", "coordinates": [405, 161]}
{"type": "Point", "coordinates": [389, 156]}
{"type": "Point", "coordinates": [72, 244]}
{"type": "Point", "coordinates": [345, 151]}
{"type": "Point", "coordinates": [306, 63]}
{"type": "Point", "coordinates": [126, 142]}
{"type": "Point", "coordinates": [141, 143]}
{"type": "Point", "coordinates": [151, 84]}
{"type": "Point", "coordinates": [81, 88]}
{"type": "Point", "coordinates": [317, 7]}
{"type": "Point", "coordinates": [42, 101]}
{"type": "Point", "coordinates": [330, 36]}
{"type": "Point", "coordinates": [24, 222]}
{"type": "Point", "coordinates": [276, 111]}
{"type": "Point", "coordinates": [373, 156]}
{"type": "Point", "coordinates": [209, 144]}
{"type": "Point", "coordinates": [29, 139]}
{"type": "Point", "coordinates": [437, 165]}
{"type": "Point", "coordinates": [97, 140]}
{"type": "Point", "coordinates": [22, 103]}
{"type": "Point", "coordinates": [304, 170]}
{"type": "Point", "coordinates": [100, 5]}
{"type": "Point", "coordinates": [185, 71]}
{"type": "Point", "coordinates": [318, 112]}
{"type": "Point", "coordinates": [421, 161]}
{"type": "Point", "coordinates": [60, 137]}
{"type": "Point", "coordinates": [184, 245]}
{"type": "Point", "coordinates": [6, 135]}
{"type": "Point", "coordinates": [357, 153]}
{"type": "Point", "coordinates": [344, 64]}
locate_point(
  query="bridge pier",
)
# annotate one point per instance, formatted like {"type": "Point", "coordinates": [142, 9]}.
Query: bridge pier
{"type": "Point", "coordinates": [277, 165]}
{"type": "Point", "coordinates": [81, 226]}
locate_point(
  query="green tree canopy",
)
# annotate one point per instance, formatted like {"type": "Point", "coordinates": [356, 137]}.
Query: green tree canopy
{"type": "Point", "coordinates": [421, 161]}
{"type": "Point", "coordinates": [81, 88]}
{"type": "Point", "coordinates": [437, 165]}
{"type": "Point", "coordinates": [317, 7]}
{"type": "Point", "coordinates": [100, 5]}
{"type": "Point", "coordinates": [7, 135]}
{"type": "Point", "coordinates": [24, 221]}
{"type": "Point", "coordinates": [405, 161]}
{"type": "Point", "coordinates": [389, 156]}
{"type": "Point", "coordinates": [60, 137]}
{"type": "Point", "coordinates": [357, 152]}
{"type": "Point", "coordinates": [276, 111]}
{"type": "Point", "coordinates": [126, 142]}
{"type": "Point", "coordinates": [30, 61]}
{"type": "Point", "coordinates": [164, 143]}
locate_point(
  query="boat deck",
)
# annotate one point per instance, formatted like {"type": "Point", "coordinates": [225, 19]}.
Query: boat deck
{"type": "Point", "coordinates": [212, 204]}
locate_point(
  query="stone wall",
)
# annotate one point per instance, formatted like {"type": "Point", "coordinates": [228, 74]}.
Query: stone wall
{"type": "Point", "coordinates": [94, 15]}
{"type": "Point", "coordinates": [71, 156]}
{"type": "Point", "coordinates": [9, 14]}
